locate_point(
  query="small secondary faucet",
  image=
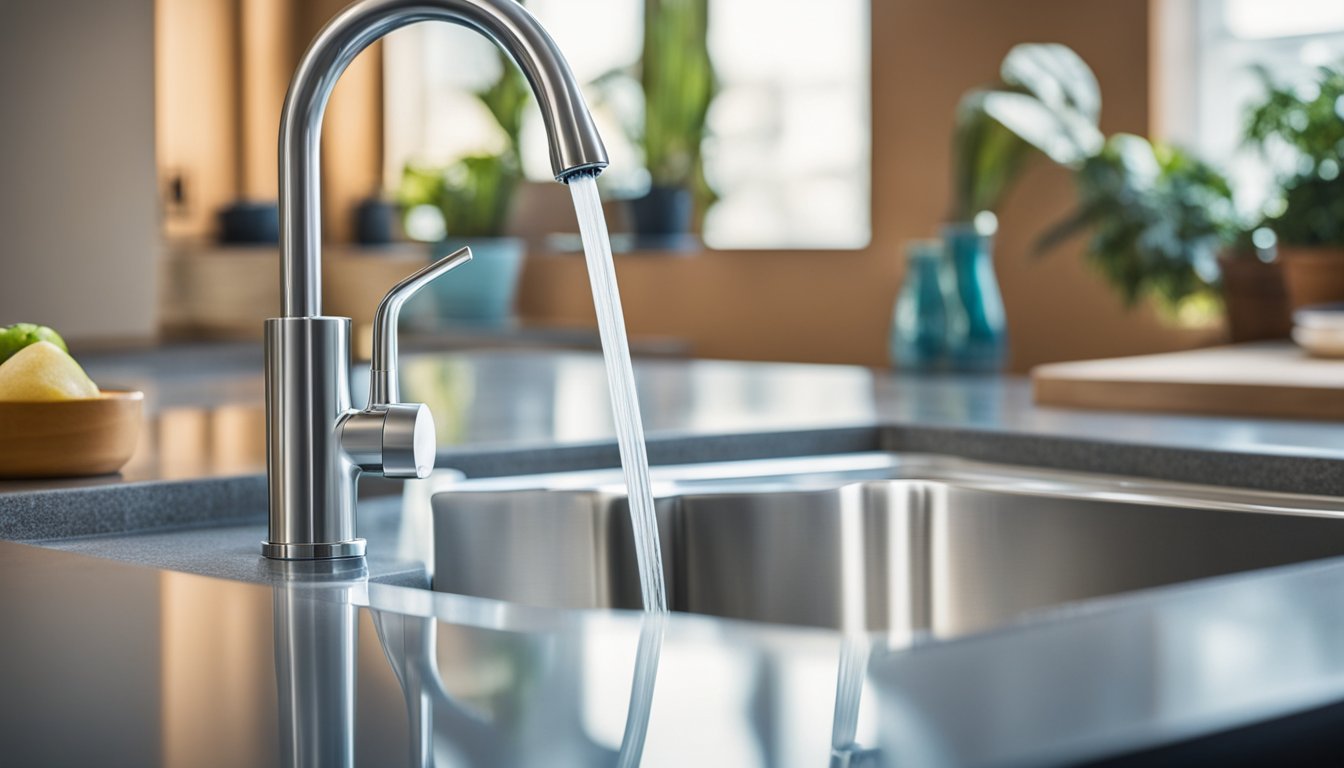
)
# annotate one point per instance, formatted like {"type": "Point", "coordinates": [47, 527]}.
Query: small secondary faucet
{"type": "Point", "coordinates": [317, 445]}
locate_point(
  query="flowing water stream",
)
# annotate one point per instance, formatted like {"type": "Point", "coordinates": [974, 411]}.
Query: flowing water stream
{"type": "Point", "coordinates": [621, 380]}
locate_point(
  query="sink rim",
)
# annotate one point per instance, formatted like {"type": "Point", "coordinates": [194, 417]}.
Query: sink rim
{"type": "Point", "coordinates": [831, 471]}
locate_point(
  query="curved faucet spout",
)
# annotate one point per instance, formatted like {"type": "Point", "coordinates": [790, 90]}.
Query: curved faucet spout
{"type": "Point", "coordinates": [317, 446]}
{"type": "Point", "coordinates": [574, 141]}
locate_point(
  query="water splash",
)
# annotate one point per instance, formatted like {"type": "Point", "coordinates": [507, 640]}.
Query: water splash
{"type": "Point", "coordinates": [621, 380]}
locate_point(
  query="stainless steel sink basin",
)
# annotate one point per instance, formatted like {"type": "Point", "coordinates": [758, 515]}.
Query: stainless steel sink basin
{"type": "Point", "coordinates": [870, 541]}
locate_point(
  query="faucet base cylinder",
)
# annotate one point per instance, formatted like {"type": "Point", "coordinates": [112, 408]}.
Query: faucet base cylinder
{"type": "Point", "coordinates": [340, 549]}
{"type": "Point", "coordinates": [312, 481]}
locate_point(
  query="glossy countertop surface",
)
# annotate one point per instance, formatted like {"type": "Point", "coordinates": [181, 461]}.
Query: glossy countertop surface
{"type": "Point", "coordinates": [205, 410]}
{"type": "Point", "coordinates": [118, 665]}
{"type": "Point", "coordinates": [114, 664]}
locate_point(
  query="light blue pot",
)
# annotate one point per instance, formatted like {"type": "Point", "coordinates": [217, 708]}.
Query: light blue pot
{"type": "Point", "coordinates": [482, 291]}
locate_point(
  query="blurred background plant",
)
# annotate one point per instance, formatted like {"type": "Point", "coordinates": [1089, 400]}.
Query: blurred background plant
{"type": "Point", "coordinates": [1158, 216]}
{"type": "Point", "coordinates": [473, 195]}
{"type": "Point", "coordinates": [1047, 99]}
{"type": "Point", "coordinates": [675, 85]}
{"type": "Point", "coordinates": [468, 202]}
{"type": "Point", "coordinates": [1301, 131]}
{"type": "Point", "coordinates": [678, 84]}
{"type": "Point", "coordinates": [1159, 219]}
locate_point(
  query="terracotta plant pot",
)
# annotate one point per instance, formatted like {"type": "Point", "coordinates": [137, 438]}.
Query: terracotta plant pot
{"type": "Point", "coordinates": [1313, 275]}
{"type": "Point", "coordinates": [1256, 299]}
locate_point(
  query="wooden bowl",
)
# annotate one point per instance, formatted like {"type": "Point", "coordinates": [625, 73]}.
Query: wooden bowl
{"type": "Point", "coordinates": [69, 438]}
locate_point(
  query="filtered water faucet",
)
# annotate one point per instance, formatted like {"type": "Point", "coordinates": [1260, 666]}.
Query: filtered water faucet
{"type": "Point", "coordinates": [316, 444]}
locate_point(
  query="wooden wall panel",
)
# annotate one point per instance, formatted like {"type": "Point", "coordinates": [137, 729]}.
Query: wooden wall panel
{"type": "Point", "coordinates": [196, 109]}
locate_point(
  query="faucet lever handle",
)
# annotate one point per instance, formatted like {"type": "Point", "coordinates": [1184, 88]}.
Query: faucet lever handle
{"type": "Point", "coordinates": [393, 440]}
{"type": "Point", "coordinates": [390, 437]}
{"type": "Point", "coordinates": [383, 386]}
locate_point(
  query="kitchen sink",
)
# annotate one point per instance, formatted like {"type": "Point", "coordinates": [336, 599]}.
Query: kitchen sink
{"type": "Point", "coordinates": [906, 544]}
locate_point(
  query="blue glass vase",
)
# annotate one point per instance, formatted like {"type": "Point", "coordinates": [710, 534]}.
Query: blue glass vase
{"type": "Point", "coordinates": [983, 345]}
{"type": "Point", "coordinates": [927, 316]}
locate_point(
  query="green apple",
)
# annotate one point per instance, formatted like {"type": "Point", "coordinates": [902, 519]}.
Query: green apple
{"type": "Point", "coordinates": [20, 335]}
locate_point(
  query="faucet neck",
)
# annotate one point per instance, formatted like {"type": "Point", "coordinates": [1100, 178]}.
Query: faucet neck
{"type": "Point", "coordinates": [574, 140]}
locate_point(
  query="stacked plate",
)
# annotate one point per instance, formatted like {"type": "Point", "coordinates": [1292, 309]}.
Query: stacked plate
{"type": "Point", "coordinates": [1320, 329]}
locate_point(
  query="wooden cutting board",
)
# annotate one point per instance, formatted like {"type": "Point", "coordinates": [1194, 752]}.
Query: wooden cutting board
{"type": "Point", "coordinates": [1274, 379]}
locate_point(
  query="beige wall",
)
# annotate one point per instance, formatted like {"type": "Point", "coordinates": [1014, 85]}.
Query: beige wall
{"type": "Point", "coordinates": [835, 307]}
{"type": "Point", "coordinates": [78, 228]}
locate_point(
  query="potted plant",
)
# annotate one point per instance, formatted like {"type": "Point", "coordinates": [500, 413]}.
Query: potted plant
{"type": "Point", "coordinates": [474, 196]}
{"type": "Point", "coordinates": [1047, 98]}
{"type": "Point", "coordinates": [1158, 216]}
{"type": "Point", "coordinates": [1302, 129]}
{"type": "Point", "coordinates": [677, 81]}
{"type": "Point", "coordinates": [1159, 219]}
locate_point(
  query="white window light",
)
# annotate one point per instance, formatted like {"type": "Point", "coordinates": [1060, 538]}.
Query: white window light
{"type": "Point", "coordinates": [1262, 19]}
{"type": "Point", "coordinates": [790, 131]}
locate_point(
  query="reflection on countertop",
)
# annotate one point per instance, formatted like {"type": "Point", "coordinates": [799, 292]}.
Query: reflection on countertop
{"type": "Point", "coordinates": [117, 665]}
{"type": "Point", "coordinates": [332, 670]}
{"type": "Point", "coordinates": [205, 414]}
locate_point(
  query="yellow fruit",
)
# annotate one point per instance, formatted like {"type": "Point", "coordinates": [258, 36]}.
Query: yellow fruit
{"type": "Point", "coordinates": [43, 372]}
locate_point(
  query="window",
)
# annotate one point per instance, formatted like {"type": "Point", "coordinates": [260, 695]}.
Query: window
{"type": "Point", "coordinates": [788, 145]}
{"type": "Point", "coordinates": [1210, 83]}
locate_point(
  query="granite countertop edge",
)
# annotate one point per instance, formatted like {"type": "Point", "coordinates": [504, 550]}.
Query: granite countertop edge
{"type": "Point", "coordinates": [112, 507]}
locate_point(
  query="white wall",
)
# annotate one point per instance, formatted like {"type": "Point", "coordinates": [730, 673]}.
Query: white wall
{"type": "Point", "coordinates": [78, 220]}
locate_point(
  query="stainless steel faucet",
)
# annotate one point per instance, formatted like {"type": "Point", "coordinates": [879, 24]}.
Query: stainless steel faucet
{"type": "Point", "coordinates": [317, 445]}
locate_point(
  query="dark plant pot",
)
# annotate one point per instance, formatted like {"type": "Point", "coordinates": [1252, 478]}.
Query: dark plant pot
{"type": "Point", "coordinates": [663, 212]}
{"type": "Point", "coordinates": [250, 223]}
{"type": "Point", "coordinates": [1312, 275]}
{"type": "Point", "coordinates": [375, 222]}
{"type": "Point", "coordinates": [1256, 299]}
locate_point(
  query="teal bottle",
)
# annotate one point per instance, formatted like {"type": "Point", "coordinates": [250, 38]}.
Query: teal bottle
{"type": "Point", "coordinates": [983, 346]}
{"type": "Point", "coordinates": [927, 316]}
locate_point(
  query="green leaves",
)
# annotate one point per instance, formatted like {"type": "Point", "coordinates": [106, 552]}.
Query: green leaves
{"type": "Point", "coordinates": [1158, 219]}
{"type": "Point", "coordinates": [678, 82]}
{"type": "Point", "coordinates": [1307, 124]}
{"type": "Point", "coordinates": [987, 158]}
{"type": "Point", "coordinates": [1065, 136]}
{"type": "Point", "coordinates": [473, 194]}
{"type": "Point", "coordinates": [1313, 212]}
{"type": "Point", "coordinates": [1056, 76]}
{"type": "Point", "coordinates": [1309, 120]}
{"type": "Point", "coordinates": [1047, 99]}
